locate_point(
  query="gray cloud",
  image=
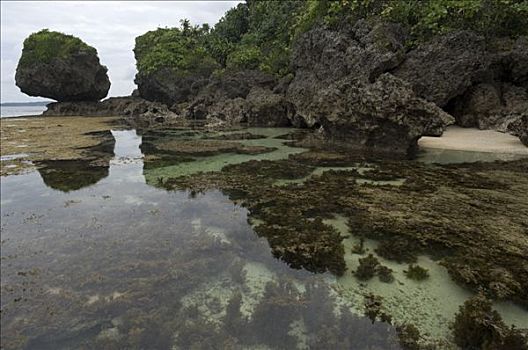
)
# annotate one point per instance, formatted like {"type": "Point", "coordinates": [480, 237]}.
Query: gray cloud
{"type": "Point", "coordinates": [109, 26]}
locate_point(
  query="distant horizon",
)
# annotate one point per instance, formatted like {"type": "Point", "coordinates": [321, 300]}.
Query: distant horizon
{"type": "Point", "coordinates": [21, 103]}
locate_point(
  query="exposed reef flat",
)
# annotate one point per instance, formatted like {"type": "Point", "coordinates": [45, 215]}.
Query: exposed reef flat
{"type": "Point", "coordinates": [26, 141]}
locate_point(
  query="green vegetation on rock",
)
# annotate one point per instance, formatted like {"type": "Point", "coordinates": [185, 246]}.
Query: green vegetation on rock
{"type": "Point", "coordinates": [259, 34]}
{"type": "Point", "coordinates": [180, 49]}
{"type": "Point", "coordinates": [45, 45]}
{"type": "Point", "coordinates": [425, 18]}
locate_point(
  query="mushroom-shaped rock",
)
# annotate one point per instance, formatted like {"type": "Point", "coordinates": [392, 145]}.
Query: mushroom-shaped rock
{"type": "Point", "coordinates": [61, 67]}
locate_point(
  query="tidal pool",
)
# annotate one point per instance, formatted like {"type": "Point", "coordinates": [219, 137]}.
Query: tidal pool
{"type": "Point", "coordinates": [103, 255]}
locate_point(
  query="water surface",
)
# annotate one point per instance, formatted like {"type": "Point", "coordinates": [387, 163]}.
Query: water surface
{"type": "Point", "coordinates": [100, 257]}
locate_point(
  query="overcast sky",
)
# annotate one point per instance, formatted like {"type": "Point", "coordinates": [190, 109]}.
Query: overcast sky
{"type": "Point", "coordinates": [109, 26]}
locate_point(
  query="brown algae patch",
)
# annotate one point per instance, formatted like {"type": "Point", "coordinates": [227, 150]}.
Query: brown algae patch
{"type": "Point", "coordinates": [469, 216]}
{"type": "Point", "coordinates": [50, 138]}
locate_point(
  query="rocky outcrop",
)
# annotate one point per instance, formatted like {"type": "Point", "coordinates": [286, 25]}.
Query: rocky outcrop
{"type": "Point", "coordinates": [491, 106]}
{"type": "Point", "coordinates": [383, 116]}
{"type": "Point", "coordinates": [136, 111]}
{"type": "Point", "coordinates": [482, 84]}
{"type": "Point", "coordinates": [169, 87]}
{"type": "Point", "coordinates": [239, 97]}
{"type": "Point", "coordinates": [511, 57]}
{"type": "Point", "coordinates": [519, 128]}
{"type": "Point", "coordinates": [321, 57]}
{"type": "Point", "coordinates": [340, 85]}
{"type": "Point", "coordinates": [61, 67]}
{"type": "Point", "coordinates": [265, 108]}
{"type": "Point", "coordinates": [446, 67]}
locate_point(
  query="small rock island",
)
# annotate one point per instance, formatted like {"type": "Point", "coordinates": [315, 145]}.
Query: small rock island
{"type": "Point", "coordinates": [61, 67]}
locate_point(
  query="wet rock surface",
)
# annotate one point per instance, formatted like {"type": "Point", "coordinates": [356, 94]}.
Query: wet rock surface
{"type": "Point", "coordinates": [136, 111]}
{"type": "Point", "coordinates": [222, 255]}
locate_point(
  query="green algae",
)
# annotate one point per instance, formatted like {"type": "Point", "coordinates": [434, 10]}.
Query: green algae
{"type": "Point", "coordinates": [426, 230]}
{"type": "Point", "coordinates": [441, 156]}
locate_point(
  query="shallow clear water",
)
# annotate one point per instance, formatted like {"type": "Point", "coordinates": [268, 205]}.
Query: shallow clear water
{"type": "Point", "coordinates": [110, 261]}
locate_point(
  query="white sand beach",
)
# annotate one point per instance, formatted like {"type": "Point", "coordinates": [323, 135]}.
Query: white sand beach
{"type": "Point", "coordinates": [474, 140]}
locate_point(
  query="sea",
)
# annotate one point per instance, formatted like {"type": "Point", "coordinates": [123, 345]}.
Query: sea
{"type": "Point", "coordinates": [9, 111]}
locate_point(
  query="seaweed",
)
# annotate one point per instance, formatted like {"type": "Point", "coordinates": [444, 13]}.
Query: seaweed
{"type": "Point", "coordinates": [385, 274]}
{"type": "Point", "coordinates": [367, 268]}
{"type": "Point", "coordinates": [416, 272]}
{"type": "Point", "coordinates": [408, 336]}
{"type": "Point", "coordinates": [478, 326]}
{"type": "Point", "coordinates": [374, 309]}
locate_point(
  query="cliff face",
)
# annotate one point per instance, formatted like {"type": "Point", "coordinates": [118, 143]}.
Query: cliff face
{"type": "Point", "coordinates": [341, 84]}
{"type": "Point", "coordinates": [360, 85]}
{"type": "Point", "coordinates": [61, 67]}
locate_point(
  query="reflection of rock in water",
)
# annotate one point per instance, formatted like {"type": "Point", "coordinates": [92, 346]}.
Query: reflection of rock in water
{"type": "Point", "coordinates": [71, 175]}
{"type": "Point", "coordinates": [74, 174]}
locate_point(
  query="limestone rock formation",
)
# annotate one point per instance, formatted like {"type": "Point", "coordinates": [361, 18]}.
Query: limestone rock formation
{"type": "Point", "coordinates": [340, 85]}
{"type": "Point", "coordinates": [446, 66]}
{"type": "Point", "coordinates": [136, 111]}
{"type": "Point", "coordinates": [321, 57]}
{"type": "Point", "coordinates": [61, 67]}
{"type": "Point", "coordinates": [240, 97]}
{"type": "Point", "coordinates": [491, 106]}
{"type": "Point", "coordinates": [383, 116]}
{"type": "Point", "coordinates": [519, 128]}
{"type": "Point", "coordinates": [168, 87]}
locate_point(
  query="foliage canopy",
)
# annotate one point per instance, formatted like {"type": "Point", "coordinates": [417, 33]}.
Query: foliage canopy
{"type": "Point", "coordinates": [45, 45]}
{"type": "Point", "coordinates": [258, 34]}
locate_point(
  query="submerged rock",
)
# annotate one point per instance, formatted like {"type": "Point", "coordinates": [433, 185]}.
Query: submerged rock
{"type": "Point", "coordinates": [61, 67]}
